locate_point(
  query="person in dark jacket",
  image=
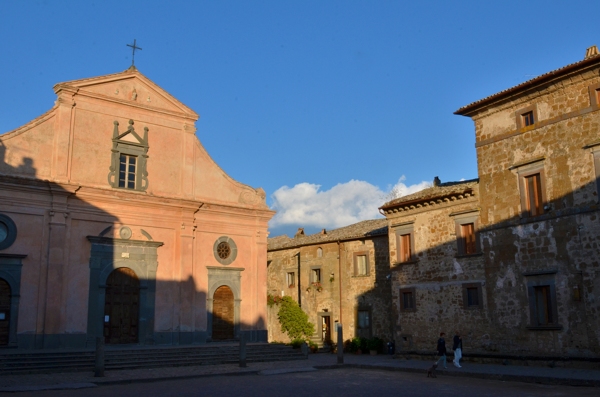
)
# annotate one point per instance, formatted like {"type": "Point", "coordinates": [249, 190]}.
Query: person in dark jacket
{"type": "Point", "coordinates": [457, 347]}
{"type": "Point", "coordinates": [441, 349]}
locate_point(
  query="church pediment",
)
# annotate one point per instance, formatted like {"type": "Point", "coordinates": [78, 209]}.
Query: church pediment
{"type": "Point", "coordinates": [130, 87]}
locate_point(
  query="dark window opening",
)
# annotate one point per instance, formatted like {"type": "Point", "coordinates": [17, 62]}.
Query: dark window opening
{"type": "Point", "coordinates": [527, 118]}
{"type": "Point", "coordinates": [127, 171]}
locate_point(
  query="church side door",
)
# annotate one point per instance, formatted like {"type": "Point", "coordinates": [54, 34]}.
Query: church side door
{"type": "Point", "coordinates": [4, 312]}
{"type": "Point", "coordinates": [121, 307]}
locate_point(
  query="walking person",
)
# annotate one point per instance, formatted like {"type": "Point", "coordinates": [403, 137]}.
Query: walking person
{"type": "Point", "coordinates": [457, 347]}
{"type": "Point", "coordinates": [441, 349]}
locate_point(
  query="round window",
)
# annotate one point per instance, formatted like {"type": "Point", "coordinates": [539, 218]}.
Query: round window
{"type": "Point", "coordinates": [8, 232]}
{"type": "Point", "coordinates": [225, 250]}
{"type": "Point", "coordinates": [3, 231]}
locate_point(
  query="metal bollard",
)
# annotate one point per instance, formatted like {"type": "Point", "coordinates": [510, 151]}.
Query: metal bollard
{"type": "Point", "coordinates": [340, 344]}
{"type": "Point", "coordinates": [242, 350]}
{"type": "Point", "coordinates": [99, 365]}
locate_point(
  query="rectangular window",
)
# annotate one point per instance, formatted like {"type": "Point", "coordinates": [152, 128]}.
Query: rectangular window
{"type": "Point", "coordinates": [315, 275]}
{"type": "Point", "coordinates": [533, 192]}
{"type": "Point", "coordinates": [407, 300]}
{"type": "Point", "coordinates": [127, 171]}
{"type": "Point", "coordinates": [363, 321]}
{"type": "Point", "coordinates": [468, 235]}
{"type": "Point", "coordinates": [543, 310]}
{"type": "Point", "coordinates": [472, 296]}
{"type": "Point", "coordinates": [361, 264]}
{"type": "Point", "coordinates": [531, 175]}
{"type": "Point", "coordinates": [405, 249]}
{"type": "Point", "coordinates": [527, 118]}
{"type": "Point", "coordinates": [543, 305]}
{"type": "Point", "coordinates": [291, 279]}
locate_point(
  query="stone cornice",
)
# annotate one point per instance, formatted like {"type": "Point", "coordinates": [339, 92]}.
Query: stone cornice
{"type": "Point", "coordinates": [427, 202]}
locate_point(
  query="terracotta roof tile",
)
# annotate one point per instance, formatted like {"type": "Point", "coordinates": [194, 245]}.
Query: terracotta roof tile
{"type": "Point", "coordinates": [373, 227]}
{"type": "Point", "coordinates": [444, 189]}
{"type": "Point", "coordinates": [531, 82]}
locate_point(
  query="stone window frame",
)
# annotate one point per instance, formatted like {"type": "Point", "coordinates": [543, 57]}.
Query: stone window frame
{"type": "Point", "coordinates": [355, 256]}
{"type": "Point", "coordinates": [313, 271]}
{"type": "Point", "coordinates": [594, 91]}
{"type": "Point", "coordinates": [411, 291]}
{"type": "Point", "coordinates": [233, 247]}
{"type": "Point", "coordinates": [465, 218]}
{"type": "Point", "coordinates": [290, 275]}
{"type": "Point", "coordinates": [537, 279]}
{"type": "Point", "coordinates": [369, 316]}
{"type": "Point", "coordinates": [465, 296]}
{"type": "Point", "coordinates": [523, 171]}
{"type": "Point", "coordinates": [11, 231]}
{"type": "Point", "coordinates": [595, 150]}
{"type": "Point", "coordinates": [403, 230]}
{"type": "Point", "coordinates": [521, 115]}
{"type": "Point", "coordinates": [138, 149]}
{"type": "Point", "coordinates": [319, 252]}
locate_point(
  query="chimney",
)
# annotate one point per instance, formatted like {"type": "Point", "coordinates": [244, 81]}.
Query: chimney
{"type": "Point", "coordinates": [436, 181]}
{"type": "Point", "coordinates": [300, 232]}
{"type": "Point", "coordinates": [323, 231]}
{"type": "Point", "coordinates": [591, 52]}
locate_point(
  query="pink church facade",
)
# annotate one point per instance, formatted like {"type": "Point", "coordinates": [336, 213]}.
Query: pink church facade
{"type": "Point", "coordinates": [116, 223]}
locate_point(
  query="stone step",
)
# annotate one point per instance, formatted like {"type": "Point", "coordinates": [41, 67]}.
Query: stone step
{"type": "Point", "coordinates": [57, 361]}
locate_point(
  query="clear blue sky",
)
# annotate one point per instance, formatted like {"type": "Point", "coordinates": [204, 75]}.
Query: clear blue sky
{"type": "Point", "coordinates": [337, 100]}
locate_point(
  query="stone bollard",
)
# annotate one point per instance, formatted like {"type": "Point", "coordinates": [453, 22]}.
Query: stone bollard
{"type": "Point", "coordinates": [304, 349]}
{"type": "Point", "coordinates": [340, 344]}
{"type": "Point", "coordinates": [242, 350]}
{"type": "Point", "coordinates": [99, 365]}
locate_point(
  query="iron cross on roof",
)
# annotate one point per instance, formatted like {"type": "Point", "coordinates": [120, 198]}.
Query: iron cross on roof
{"type": "Point", "coordinates": [133, 48]}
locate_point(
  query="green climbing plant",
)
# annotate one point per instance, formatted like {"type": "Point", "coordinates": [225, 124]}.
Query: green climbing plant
{"type": "Point", "coordinates": [293, 320]}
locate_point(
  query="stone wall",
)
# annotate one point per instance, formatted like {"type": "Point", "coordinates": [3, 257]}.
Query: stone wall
{"type": "Point", "coordinates": [336, 264]}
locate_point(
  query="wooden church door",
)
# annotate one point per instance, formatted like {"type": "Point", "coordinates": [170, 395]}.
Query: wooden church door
{"type": "Point", "coordinates": [121, 307]}
{"type": "Point", "coordinates": [222, 325]}
{"type": "Point", "coordinates": [4, 312]}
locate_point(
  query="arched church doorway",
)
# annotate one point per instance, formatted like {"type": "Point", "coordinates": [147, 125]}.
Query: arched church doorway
{"type": "Point", "coordinates": [122, 307]}
{"type": "Point", "coordinates": [4, 312]}
{"type": "Point", "coordinates": [223, 314]}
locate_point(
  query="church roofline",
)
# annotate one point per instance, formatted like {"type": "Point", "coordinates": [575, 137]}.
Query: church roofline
{"type": "Point", "coordinates": [78, 87]}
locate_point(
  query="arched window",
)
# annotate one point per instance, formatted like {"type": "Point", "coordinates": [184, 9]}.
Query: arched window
{"type": "Point", "coordinates": [319, 252]}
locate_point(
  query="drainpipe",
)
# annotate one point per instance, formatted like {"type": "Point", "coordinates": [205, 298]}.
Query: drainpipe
{"type": "Point", "coordinates": [340, 278]}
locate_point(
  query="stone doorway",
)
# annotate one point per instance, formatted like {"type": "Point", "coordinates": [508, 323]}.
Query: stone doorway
{"type": "Point", "coordinates": [223, 314]}
{"type": "Point", "coordinates": [4, 312]}
{"type": "Point", "coordinates": [326, 329]}
{"type": "Point", "coordinates": [122, 307]}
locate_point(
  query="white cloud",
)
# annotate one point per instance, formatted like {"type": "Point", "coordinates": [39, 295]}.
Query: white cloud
{"type": "Point", "coordinates": [305, 205]}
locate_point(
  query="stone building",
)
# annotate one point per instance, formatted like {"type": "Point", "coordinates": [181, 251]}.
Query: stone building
{"type": "Point", "coordinates": [438, 277]}
{"type": "Point", "coordinates": [337, 276]}
{"type": "Point", "coordinates": [116, 223]}
{"type": "Point", "coordinates": [530, 281]}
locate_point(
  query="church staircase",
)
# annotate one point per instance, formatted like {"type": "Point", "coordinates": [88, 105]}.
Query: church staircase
{"type": "Point", "coordinates": [122, 358]}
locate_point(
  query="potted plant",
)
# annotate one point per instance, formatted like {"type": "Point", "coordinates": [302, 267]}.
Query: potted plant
{"type": "Point", "coordinates": [374, 345]}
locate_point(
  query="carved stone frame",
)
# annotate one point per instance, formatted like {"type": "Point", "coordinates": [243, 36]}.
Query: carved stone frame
{"type": "Point", "coordinates": [218, 277]}
{"type": "Point", "coordinates": [10, 271]}
{"type": "Point", "coordinates": [108, 254]}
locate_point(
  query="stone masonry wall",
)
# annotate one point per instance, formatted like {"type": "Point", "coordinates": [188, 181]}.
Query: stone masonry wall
{"type": "Point", "coordinates": [564, 242]}
{"type": "Point", "coordinates": [366, 292]}
{"type": "Point", "coordinates": [437, 275]}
